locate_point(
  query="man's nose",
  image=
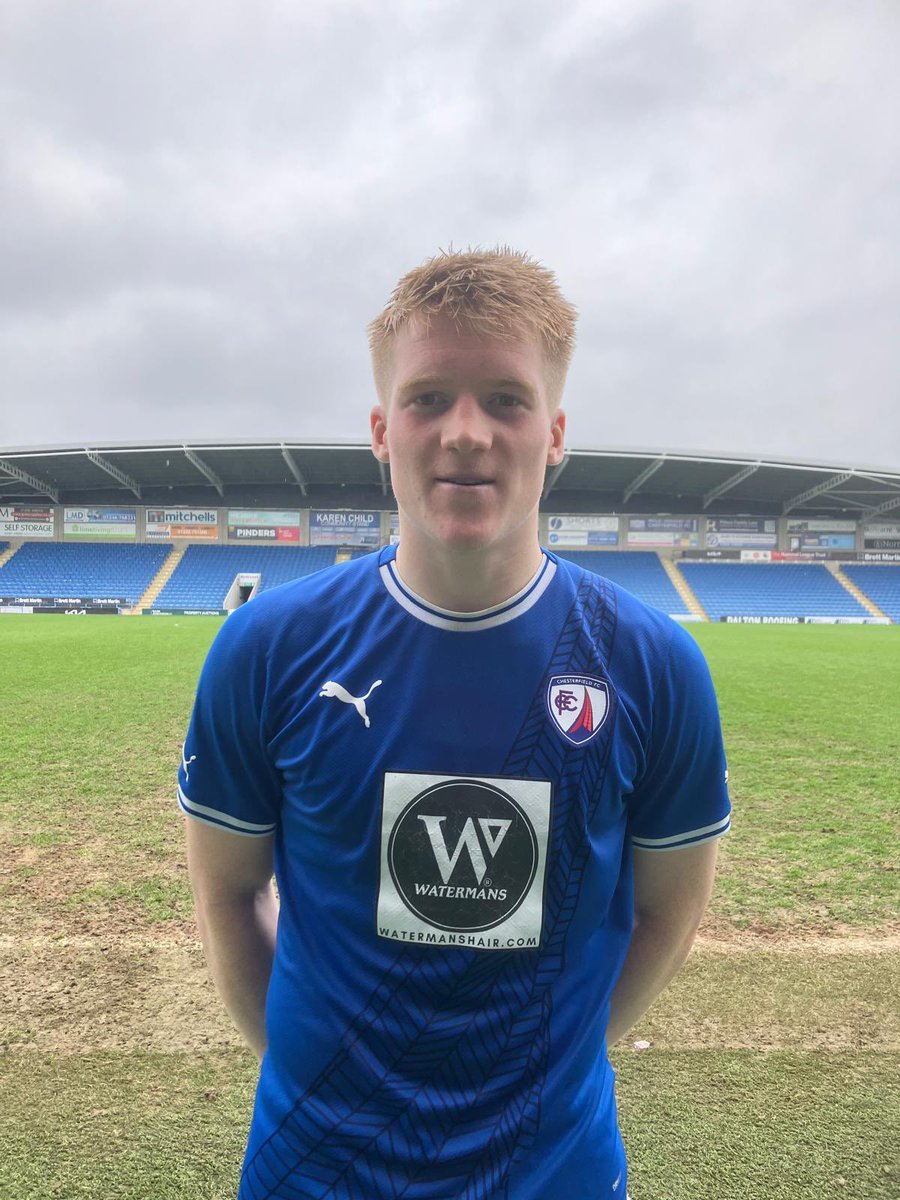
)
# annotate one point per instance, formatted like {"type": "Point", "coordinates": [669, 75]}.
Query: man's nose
{"type": "Point", "coordinates": [467, 426]}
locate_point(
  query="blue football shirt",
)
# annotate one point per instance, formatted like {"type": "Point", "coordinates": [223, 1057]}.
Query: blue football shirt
{"type": "Point", "coordinates": [454, 799]}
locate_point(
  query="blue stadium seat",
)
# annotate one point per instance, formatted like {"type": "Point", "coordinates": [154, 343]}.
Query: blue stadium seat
{"type": "Point", "coordinates": [205, 574]}
{"type": "Point", "coordinates": [880, 583]}
{"type": "Point", "coordinates": [769, 590]}
{"type": "Point", "coordinates": [91, 569]}
{"type": "Point", "coordinates": [638, 571]}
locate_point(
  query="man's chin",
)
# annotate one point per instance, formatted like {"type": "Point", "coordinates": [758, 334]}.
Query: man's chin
{"type": "Point", "coordinates": [465, 536]}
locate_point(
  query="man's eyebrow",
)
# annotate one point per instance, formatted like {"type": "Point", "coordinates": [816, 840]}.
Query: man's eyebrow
{"type": "Point", "coordinates": [433, 381]}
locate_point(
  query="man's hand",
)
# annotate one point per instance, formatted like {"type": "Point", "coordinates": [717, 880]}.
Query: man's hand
{"type": "Point", "coordinates": [671, 892]}
{"type": "Point", "coordinates": [237, 914]}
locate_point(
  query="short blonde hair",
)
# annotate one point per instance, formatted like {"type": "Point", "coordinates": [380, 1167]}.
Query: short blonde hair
{"type": "Point", "coordinates": [498, 292]}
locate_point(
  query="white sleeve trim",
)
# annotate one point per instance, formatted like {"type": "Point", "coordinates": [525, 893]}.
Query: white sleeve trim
{"type": "Point", "coordinates": [704, 834]}
{"type": "Point", "coordinates": [212, 816]}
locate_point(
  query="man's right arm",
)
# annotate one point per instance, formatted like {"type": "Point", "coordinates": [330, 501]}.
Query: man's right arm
{"type": "Point", "coordinates": [237, 914]}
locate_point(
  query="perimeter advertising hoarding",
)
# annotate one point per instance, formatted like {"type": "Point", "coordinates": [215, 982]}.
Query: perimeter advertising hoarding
{"type": "Point", "coordinates": [107, 602]}
{"type": "Point", "coordinates": [741, 533]}
{"type": "Point", "coordinates": [100, 524]}
{"type": "Point", "coordinates": [345, 527]}
{"type": "Point", "coordinates": [395, 529]}
{"type": "Point", "coordinates": [738, 619]}
{"type": "Point", "coordinates": [882, 536]}
{"type": "Point", "coordinates": [254, 525]}
{"type": "Point", "coordinates": [825, 534]}
{"type": "Point", "coordinates": [164, 524]}
{"type": "Point", "coordinates": [679, 533]}
{"type": "Point", "coordinates": [582, 532]}
{"type": "Point", "coordinates": [26, 521]}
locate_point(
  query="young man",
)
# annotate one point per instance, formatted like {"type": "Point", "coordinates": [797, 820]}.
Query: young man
{"type": "Point", "coordinates": [490, 785]}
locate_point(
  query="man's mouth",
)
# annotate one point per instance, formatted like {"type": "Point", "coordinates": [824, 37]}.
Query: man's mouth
{"type": "Point", "coordinates": [464, 481]}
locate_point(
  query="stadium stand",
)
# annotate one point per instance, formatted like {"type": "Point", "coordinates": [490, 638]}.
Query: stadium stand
{"type": "Point", "coordinates": [203, 577]}
{"type": "Point", "coordinates": [638, 571]}
{"type": "Point", "coordinates": [769, 590]}
{"type": "Point", "coordinates": [88, 570]}
{"type": "Point", "coordinates": [880, 583]}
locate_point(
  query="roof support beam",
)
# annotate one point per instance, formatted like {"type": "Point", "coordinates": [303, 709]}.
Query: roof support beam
{"type": "Point", "coordinates": [728, 484]}
{"type": "Point", "coordinates": [32, 481]}
{"type": "Point", "coordinates": [827, 485]}
{"type": "Point", "coordinates": [885, 506]}
{"type": "Point", "coordinates": [554, 478]}
{"type": "Point", "coordinates": [384, 478]}
{"type": "Point", "coordinates": [293, 468]}
{"type": "Point", "coordinates": [118, 475]}
{"type": "Point", "coordinates": [201, 466]}
{"type": "Point", "coordinates": [641, 479]}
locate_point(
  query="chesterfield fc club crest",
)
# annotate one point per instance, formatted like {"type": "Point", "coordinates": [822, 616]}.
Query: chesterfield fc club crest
{"type": "Point", "coordinates": [578, 705]}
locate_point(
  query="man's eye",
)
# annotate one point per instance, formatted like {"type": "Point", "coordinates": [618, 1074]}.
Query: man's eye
{"type": "Point", "coordinates": [428, 399]}
{"type": "Point", "coordinates": [505, 400]}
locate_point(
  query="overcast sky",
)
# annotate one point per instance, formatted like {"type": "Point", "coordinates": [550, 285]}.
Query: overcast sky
{"type": "Point", "coordinates": [204, 203]}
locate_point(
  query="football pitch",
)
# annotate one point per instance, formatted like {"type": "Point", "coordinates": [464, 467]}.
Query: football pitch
{"type": "Point", "coordinates": [773, 1068]}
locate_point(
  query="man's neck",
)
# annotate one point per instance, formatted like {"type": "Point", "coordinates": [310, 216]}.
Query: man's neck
{"type": "Point", "coordinates": [466, 581]}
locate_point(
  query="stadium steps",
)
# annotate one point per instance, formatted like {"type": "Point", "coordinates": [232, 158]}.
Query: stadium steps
{"type": "Point", "coordinates": [161, 578]}
{"type": "Point", "coordinates": [9, 552]}
{"type": "Point", "coordinates": [857, 593]}
{"type": "Point", "coordinates": [683, 588]}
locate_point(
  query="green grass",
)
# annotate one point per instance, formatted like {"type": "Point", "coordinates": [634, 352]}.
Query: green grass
{"type": "Point", "coordinates": [727, 1126]}
{"type": "Point", "coordinates": [813, 739]}
{"type": "Point", "coordinates": [748, 1126]}
{"type": "Point", "coordinates": [809, 713]}
{"type": "Point", "coordinates": [773, 1071]}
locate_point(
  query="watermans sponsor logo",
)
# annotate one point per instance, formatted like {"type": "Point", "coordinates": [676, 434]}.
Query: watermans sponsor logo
{"type": "Point", "coordinates": [463, 860]}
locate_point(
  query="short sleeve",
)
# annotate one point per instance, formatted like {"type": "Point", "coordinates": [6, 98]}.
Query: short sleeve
{"type": "Point", "coordinates": [682, 796]}
{"type": "Point", "coordinates": [226, 777]}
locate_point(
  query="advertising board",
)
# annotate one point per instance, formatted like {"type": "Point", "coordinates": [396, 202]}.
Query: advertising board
{"type": "Point", "coordinates": [344, 527]}
{"type": "Point", "coordinates": [185, 612]}
{"type": "Point", "coordinates": [882, 536]}
{"type": "Point", "coordinates": [395, 529]}
{"type": "Point", "coordinates": [164, 524]}
{"type": "Point", "coordinates": [757, 555]}
{"type": "Point", "coordinates": [738, 619]}
{"type": "Point", "coordinates": [26, 521]}
{"type": "Point", "coordinates": [824, 534]}
{"type": "Point", "coordinates": [256, 525]}
{"type": "Point", "coordinates": [679, 533]}
{"type": "Point", "coordinates": [741, 533]}
{"type": "Point", "coordinates": [100, 524]}
{"type": "Point", "coordinates": [47, 603]}
{"type": "Point", "coordinates": [581, 531]}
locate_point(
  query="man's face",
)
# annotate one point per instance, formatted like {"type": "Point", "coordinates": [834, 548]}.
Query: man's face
{"type": "Point", "coordinates": [468, 432]}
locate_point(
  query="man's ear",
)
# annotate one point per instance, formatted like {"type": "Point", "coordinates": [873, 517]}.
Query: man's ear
{"type": "Point", "coordinates": [557, 448]}
{"type": "Point", "coordinates": [378, 423]}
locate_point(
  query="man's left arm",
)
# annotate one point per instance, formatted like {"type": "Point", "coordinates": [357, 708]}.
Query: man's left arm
{"type": "Point", "coordinates": [671, 891]}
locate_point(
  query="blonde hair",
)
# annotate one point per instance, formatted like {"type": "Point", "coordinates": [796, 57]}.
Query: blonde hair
{"type": "Point", "coordinates": [499, 292]}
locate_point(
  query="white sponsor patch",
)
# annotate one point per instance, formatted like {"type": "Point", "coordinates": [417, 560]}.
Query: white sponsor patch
{"type": "Point", "coordinates": [463, 860]}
